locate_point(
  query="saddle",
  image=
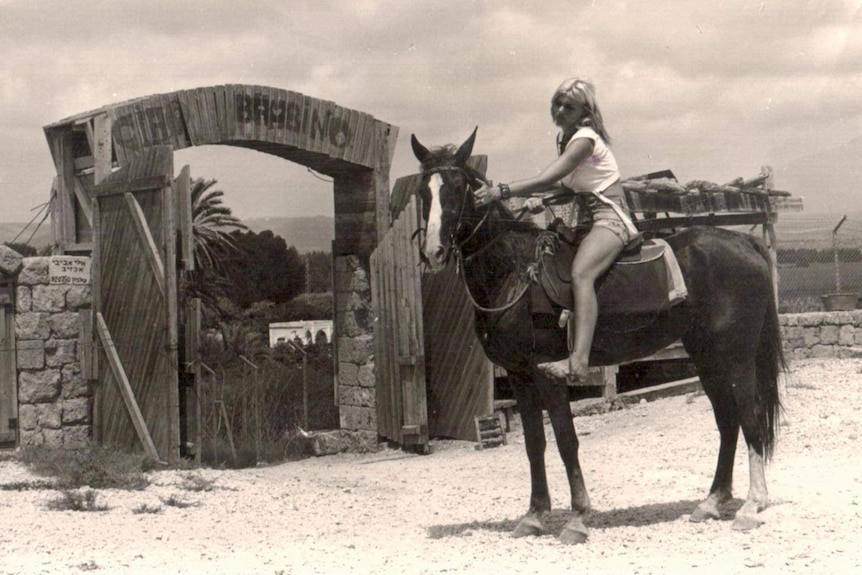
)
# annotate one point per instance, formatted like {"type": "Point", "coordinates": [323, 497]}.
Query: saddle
{"type": "Point", "coordinates": [643, 282]}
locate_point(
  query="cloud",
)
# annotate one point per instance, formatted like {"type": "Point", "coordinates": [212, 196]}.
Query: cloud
{"type": "Point", "coordinates": [711, 90]}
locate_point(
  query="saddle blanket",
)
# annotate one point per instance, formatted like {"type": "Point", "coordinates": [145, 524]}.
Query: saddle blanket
{"type": "Point", "coordinates": [641, 285]}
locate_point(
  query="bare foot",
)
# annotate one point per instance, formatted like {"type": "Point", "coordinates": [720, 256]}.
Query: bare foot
{"type": "Point", "coordinates": [569, 369]}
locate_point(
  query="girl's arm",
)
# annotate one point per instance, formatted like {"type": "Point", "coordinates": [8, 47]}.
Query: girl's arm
{"type": "Point", "coordinates": [547, 180]}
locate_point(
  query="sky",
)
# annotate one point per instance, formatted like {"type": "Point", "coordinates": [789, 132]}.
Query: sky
{"type": "Point", "coordinates": [710, 90]}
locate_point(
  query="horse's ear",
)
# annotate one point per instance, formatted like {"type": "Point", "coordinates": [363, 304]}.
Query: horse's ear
{"type": "Point", "coordinates": [420, 151]}
{"type": "Point", "coordinates": [466, 150]}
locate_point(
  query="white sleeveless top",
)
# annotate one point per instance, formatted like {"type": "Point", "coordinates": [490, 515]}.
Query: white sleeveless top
{"type": "Point", "coordinates": [597, 172]}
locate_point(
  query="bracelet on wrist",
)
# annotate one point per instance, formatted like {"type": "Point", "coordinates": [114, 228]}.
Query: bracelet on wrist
{"type": "Point", "coordinates": [505, 191]}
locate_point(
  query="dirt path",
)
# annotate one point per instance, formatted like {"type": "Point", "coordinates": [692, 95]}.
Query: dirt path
{"type": "Point", "coordinates": [451, 512]}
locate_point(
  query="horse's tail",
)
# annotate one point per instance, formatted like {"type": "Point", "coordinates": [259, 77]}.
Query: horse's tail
{"type": "Point", "coordinates": [770, 364]}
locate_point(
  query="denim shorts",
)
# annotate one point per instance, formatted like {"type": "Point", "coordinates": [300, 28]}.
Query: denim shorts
{"type": "Point", "coordinates": [595, 213]}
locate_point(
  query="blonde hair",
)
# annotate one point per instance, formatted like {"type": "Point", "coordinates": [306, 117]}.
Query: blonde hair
{"type": "Point", "coordinates": [584, 93]}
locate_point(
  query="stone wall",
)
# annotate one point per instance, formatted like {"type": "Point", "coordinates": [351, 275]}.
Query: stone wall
{"type": "Point", "coordinates": [822, 334]}
{"type": "Point", "coordinates": [354, 345]}
{"type": "Point", "coordinates": [54, 401]}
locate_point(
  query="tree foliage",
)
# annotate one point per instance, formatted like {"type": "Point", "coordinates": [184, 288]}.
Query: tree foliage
{"type": "Point", "coordinates": [263, 268]}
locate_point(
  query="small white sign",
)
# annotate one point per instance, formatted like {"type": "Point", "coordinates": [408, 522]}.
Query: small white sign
{"type": "Point", "coordinates": [69, 270]}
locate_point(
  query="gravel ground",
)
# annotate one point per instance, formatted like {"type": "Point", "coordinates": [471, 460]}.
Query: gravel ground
{"type": "Point", "coordinates": [451, 512]}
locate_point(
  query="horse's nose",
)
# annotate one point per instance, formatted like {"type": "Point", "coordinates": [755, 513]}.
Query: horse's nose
{"type": "Point", "coordinates": [439, 254]}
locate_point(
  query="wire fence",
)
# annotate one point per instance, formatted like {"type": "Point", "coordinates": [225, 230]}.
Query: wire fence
{"type": "Point", "coordinates": [818, 256]}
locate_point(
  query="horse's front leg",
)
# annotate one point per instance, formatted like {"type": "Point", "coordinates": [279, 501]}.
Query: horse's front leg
{"type": "Point", "coordinates": [534, 440]}
{"type": "Point", "coordinates": [560, 412]}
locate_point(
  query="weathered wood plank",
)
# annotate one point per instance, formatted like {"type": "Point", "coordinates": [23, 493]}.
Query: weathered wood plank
{"type": "Point", "coordinates": [145, 238]}
{"type": "Point", "coordinates": [125, 388]}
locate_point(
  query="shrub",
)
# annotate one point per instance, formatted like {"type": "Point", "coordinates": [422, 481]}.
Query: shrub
{"type": "Point", "coordinates": [96, 467]}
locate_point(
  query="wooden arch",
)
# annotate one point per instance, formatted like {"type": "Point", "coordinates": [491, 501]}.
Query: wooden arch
{"type": "Point", "coordinates": [352, 147]}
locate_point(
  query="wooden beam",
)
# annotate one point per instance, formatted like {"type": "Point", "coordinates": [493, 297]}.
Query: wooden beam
{"type": "Point", "coordinates": [185, 224]}
{"type": "Point", "coordinates": [125, 388]}
{"type": "Point", "coordinates": [151, 251]}
{"type": "Point", "coordinates": [103, 149]}
{"type": "Point", "coordinates": [84, 200]}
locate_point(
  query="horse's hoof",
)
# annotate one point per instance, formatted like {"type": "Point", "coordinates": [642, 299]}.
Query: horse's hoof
{"type": "Point", "coordinates": [528, 526]}
{"type": "Point", "coordinates": [701, 514]}
{"type": "Point", "coordinates": [575, 532]}
{"type": "Point", "coordinates": [746, 523]}
{"type": "Point", "coordinates": [573, 537]}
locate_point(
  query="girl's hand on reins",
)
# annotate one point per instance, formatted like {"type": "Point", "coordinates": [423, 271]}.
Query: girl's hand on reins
{"type": "Point", "coordinates": [534, 205]}
{"type": "Point", "coordinates": [486, 194]}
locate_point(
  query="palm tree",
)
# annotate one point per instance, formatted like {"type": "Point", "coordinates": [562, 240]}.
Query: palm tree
{"type": "Point", "coordinates": [212, 222]}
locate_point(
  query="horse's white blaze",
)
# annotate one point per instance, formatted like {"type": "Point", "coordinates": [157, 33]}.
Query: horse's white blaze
{"type": "Point", "coordinates": [432, 226]}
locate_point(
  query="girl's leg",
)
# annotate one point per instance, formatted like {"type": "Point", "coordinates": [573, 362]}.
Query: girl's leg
{"type": "Point", "coordinates": [595, 255]}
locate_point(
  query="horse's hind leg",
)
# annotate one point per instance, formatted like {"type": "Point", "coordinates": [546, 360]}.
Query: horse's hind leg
{"type": "Point", "coordinates": [750, 416]}
{"type": "Point", "coordinates": [530, 409]}
{"type": "Point", "coordinates": [732, 393]}
{"type": "Point", "coordinates": [724, 409]}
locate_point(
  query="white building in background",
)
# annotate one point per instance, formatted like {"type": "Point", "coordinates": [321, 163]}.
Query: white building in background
{"type": "Point", "coordinates": [302, 332]}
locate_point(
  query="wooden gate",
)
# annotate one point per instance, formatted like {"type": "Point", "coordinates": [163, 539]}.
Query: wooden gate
{"type": "Point", "coordinates": [399, 354]}
{"type": "Point", "coordinates": [8, 370]}
{"type": "Point", "coordinates": [431, 369]}
{"type": "Point", "coordinates": [135, 306]}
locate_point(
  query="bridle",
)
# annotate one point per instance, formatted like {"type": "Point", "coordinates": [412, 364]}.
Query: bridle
{"type": "Point", "coordinates": [457, 247]}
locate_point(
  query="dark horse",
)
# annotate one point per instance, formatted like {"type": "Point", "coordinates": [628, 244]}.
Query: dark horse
{"type": "Point", "coordinates": [728, 325]}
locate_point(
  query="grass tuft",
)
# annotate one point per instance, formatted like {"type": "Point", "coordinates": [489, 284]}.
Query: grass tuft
{"type": "Point", "coordinates": [178, 502]}
{"type": "Point", "coordinates": [145, 508]}
{"type": "Point", "coordinates": [69, 500]}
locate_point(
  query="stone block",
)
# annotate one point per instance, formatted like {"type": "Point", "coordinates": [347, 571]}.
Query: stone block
{"type": "Point", "coordinates": [824, 351]}
{"type": "Point", "coordinates": [23, 299]}
{"type": "Point", "coordinates": [11, 261]}
{"type": "Point", "coordinates": [76, 411]}
{"type": "Point", "coordinates": [846, 334]}
{"type": "Point", "coordinates": [322, 443]}
{"type": "Point", "coordinates": [28, 417]}
{"type": "Point", "coordinates": [38, 386]}
{"type": "Point", "coordinates": [72, 384]}
{"type": "Point", "coordinates": [810, 336]}
{"type": "Point", "coordinates": [31, 354]}
{"type": "Point", "coordinates": [52, 438]}
{"type": "Point", "coordinates": [32, 325]}
{"type": "Point", "coordinates": [49, 298]}
{"type": "Point", "coordinates": [358, 350]}
{"type": "Point", "coordinates": [366, 377]}
{"type": "Point", "coordinates": [828, 334]}
{"type": "Point", "coordinates": [811, 319]}
{"type": "Point", "coordinates": [793, 337]}
{"type": "Point", "coordinates": [788, 319]}
{"type": "Point", "coordinates": [347, 373]}
{"type": "Point", "coordinates": [76, 436]}
{"type": "Point", "coordinates": [65, 325]}
{"type": "Point", "coordinates": [49, 415]}
{"type": "Point", "coordinates": [34, 271]}
{"type": "Point", "coordinates": [30, 438]}
{"type": "Point", "coordinates": [79, 297]}
{"type": "Point", "coordinates": [348, 325]}
{"type": "Point", "coordinates": [60, 352]}
{"type": "Point", "coordinates": [356, 396]}
{"type": "Point", "coordinates": [358, 418]}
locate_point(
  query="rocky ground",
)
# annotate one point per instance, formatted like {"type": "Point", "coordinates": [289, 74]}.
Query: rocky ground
{"type": "Point", "coordinates": [452, 511]}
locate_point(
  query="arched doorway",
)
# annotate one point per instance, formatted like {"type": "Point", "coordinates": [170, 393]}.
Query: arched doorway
{"type": "Point", "coordinates": [114, 168]}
